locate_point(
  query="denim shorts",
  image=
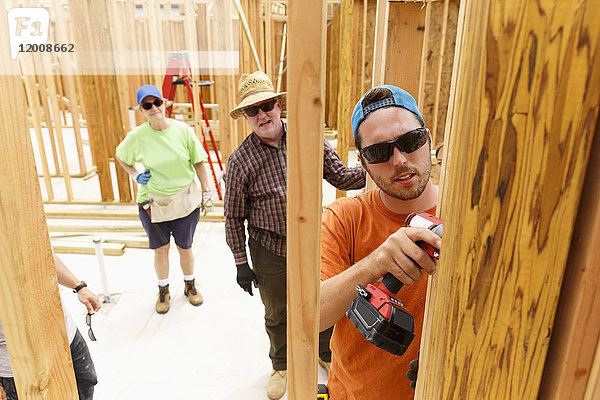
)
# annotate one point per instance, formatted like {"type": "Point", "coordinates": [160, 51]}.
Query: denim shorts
{"type": "Point", "coordinates": [159, 234]}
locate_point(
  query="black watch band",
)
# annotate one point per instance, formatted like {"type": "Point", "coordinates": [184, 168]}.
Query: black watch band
{"type": "Point", "coordinates": [79, 287]}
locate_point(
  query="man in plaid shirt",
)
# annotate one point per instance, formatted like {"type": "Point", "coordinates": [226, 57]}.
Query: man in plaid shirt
{"type": "Point", "coordinates": [256, 192]}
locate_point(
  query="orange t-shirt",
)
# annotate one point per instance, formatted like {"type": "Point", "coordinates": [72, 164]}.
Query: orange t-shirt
{"type": "Point", "coordinates": [351, 229]}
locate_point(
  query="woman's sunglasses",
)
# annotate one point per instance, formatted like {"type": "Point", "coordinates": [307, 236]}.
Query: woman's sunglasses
{"type": "Point", "coordinates": [407, 143]}
{"type": "Point", "coordinates": [148, 105]}
{"type": "Point", "coordinates": [266, 107]}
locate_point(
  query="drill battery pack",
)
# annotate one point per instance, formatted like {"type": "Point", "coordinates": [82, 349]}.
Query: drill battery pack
{"type": "Point", "coordinates": [322, 392]}
{"type": "Point", "coordinates": [382, 319]}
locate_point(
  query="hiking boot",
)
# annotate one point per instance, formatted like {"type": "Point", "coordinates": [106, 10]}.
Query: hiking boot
{"type": "Point", "coordinates": [192, 293]}
{"type": "Point", "coordinates": [325, 364]}
{"type": "Point", "coordinates": [164, 300]}
{"type": "Point", "coordinates": [276, 385]}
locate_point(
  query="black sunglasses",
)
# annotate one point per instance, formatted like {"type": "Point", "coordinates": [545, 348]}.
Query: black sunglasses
{"type": "Point", "coordinates": [266, 107]}
{"type": "Point", "coordinates": [88, 321]}
{"type": "Point", "coordinates": [407, 143]}
{"type": "Point", "coordinates": [148, 105]}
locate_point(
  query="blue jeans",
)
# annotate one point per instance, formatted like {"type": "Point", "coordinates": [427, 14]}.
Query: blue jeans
{"type": "Point", "coordinates": [85, 373]}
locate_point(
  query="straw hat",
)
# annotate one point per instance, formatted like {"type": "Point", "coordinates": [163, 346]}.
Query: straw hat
{"type": "Point", "coordinates": [255, 88]}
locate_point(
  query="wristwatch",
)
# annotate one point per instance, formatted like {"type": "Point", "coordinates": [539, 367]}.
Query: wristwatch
{"type": "Point", "coordinates": [79, 287]}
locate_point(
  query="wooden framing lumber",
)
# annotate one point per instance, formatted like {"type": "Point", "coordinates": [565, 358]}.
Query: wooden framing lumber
{"type": "Point", "coordinates": [89, 229]}
{"type": "Point", "coordinates": [34, 106]}
{"type": "Point", "coordinates": [103, 109]}
{"type": "Point", "coordinates": [117, 214]}
{"type": "Point", "coordinates": [380, 47]}
{"type": "Point", "coordinates": [436, 66]}
{"type": "Point", "coordinates": [57, 124]}
{"type": "Point", "coordinates": [405, 35]}
{"type": "Point", "coordinates": [248, 33]}
{"type": "Point", "coordinates": [62, 36]}
{"type": "Point", "coordinates": [524, 117]}
{"type": "Point", "coordinates": [78, 247]}
{"type": "Point", "coordinates": [569, 365]}
{"type": "Point", "coordinates": [344, 92]}
{"type": "Point", "coordinates": [30, 307]}
{"type": "Point", "coordinates": [306, 73]}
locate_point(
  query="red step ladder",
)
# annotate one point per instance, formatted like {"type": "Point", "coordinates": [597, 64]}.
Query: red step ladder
{"type": "Point", "coordinates": [178, 73]}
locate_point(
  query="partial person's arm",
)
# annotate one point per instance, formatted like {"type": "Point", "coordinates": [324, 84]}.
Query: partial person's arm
{"type": "Point", "coordinates": [144, 177]}
{"type": "Point", "coordinates": [2, 393]}
{"type": "Point", "coordinates": [236, 212]}
{"type": "Point", "coordinates": [395, 255]}
{"type": "Point", "coordinates": [340, 175]}
{"type": "Point", "coordinates": [69, 280]}
{"type": "Point", "coordinates": [202, 176]}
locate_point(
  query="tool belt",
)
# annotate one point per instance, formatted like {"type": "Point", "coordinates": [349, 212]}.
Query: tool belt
{"type": "Point", "coordinates": [178, 205]}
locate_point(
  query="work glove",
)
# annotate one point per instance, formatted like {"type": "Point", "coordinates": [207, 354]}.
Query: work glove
{"type": "Point", "coordinates": [245, 277]}
{"type": "Point", "coordinates": [411, 374]}
{"type": "Point", "coordinates": [207, 203]}
{"type": "Point", "coordinates": [143, 177]}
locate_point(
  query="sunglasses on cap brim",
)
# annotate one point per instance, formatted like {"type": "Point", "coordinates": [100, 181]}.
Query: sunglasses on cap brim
{"type": "Point", "coordinates": [407, 143]}
{"type": "Point", "coordinates": [266, 107]}
{"type": "Point", "coordinates": [148, 105]}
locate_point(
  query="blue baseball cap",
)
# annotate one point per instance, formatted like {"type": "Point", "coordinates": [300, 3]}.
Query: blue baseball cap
{"type": "Point", "coordinates": [147, 90]}
{"type": "Point", "coordinates": [401, 99]}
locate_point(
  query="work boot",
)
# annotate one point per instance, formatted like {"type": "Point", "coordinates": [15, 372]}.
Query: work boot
{"type": "Point", "coordinates": [164, 300]}
{"type": "Point", "coordinates": [276, 385]}
{"type": "Point", "coordinates": [192, 293]}
{"type": "Point", "coordinates": [325, 364]}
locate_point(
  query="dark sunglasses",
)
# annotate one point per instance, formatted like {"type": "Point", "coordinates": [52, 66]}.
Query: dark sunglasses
{"type": "Point", "coordinates": [407, 143]}
{"type": "Point", "coordinates": [266, 107]}
{"type": "Point", "coordinates": [148, 104]}
{"type": "Point", "coordinates": [88, 321]}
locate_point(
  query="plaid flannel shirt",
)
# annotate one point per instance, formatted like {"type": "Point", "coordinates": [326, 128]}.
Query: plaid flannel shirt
{"type": "Point", "coordinates": [255, 190]}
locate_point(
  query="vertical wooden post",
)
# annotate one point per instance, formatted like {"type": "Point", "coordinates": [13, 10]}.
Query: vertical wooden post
{"type": "Point", "coordinates": [55, 112]}
{"type": "Point", "coordinates": [67, 71]}
{"type": "Point", "coordinates": [305, 83]}
{"type": "Point", "coordinates": [525, 112]}
{"type": "Point", "coordinates": [268, 39]}
{"type": "Point", "coordinates": [576, 332]}
{"type": "Point", "coordinates": [225, 85]}
{"type": "Point", "coordinates": [101, 94]}
{"type": "Point", "coordinates": [30, 307]}
{"type": "Point", "coordinates": [379, 49]}
{"type": "Point", "coordinates": [344, 103]}
{"type": "Point", "coordinates": [436, 66]}
{"type": "Point", "coordinates": [405, 35]}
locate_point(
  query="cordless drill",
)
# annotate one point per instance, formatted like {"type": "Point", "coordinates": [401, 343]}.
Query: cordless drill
{"type": "Point", "coordinates": [377, 314]}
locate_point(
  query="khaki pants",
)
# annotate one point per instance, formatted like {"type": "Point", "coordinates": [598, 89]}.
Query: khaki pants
{"type": "Point", "coordinates": [271, 275]}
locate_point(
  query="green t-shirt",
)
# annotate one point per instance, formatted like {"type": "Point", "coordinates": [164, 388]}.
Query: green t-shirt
{"type": "Point", "coordinates": [170, 156]}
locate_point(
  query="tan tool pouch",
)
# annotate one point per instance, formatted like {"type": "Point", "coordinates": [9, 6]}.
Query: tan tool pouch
{"type": "Point", "coordinates": [178, 205]}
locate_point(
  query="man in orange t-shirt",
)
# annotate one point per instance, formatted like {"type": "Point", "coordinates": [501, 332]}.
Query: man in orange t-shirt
{"type": "Point", "coordinates": [364, 237]}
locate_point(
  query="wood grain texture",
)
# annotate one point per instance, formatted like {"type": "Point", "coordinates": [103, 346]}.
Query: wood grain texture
{"type": "Point", "coordinates": [100, 95]}
{"type": "Point", "coordinates": [436, 67]}
{"type": "Point", "coordinates": [405, 35]}
{"type": "Point", "coordinates": [30, 307]}
{"type": "Point", "coordinates": [526, 108]}
{"type": "Point", "coordinates": [380, 42]}
{"type": "Point", "coordinates": [576, 331]}
{"type": "Point", "coordinates": [306, 74]}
